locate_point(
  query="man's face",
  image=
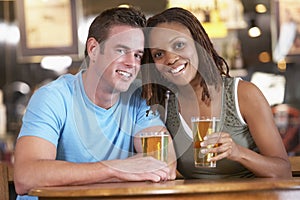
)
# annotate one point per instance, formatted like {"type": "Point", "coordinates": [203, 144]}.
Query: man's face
{"type": "Point", "coordinates": [118, 62]}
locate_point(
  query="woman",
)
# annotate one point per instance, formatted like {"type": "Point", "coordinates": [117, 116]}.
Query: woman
{"type": "Point", "coordinates": [192, 74]}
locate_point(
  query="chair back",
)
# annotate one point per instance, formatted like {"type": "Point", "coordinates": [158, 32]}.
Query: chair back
{"type": "Point", "coordinates": [287, 119]}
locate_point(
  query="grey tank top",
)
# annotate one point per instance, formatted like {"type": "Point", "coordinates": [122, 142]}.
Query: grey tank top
{"type": "Point", "coordinates": [183, 143]}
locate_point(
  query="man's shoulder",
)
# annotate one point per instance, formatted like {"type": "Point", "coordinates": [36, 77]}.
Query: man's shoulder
{"type": "Point", "coordinates": [62, 82]}
{"type": "Point", "coordinates": [63, 87]}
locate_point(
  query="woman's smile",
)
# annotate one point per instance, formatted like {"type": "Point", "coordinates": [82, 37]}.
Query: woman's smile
{"type": "Point", "coordinates": [178, 69]}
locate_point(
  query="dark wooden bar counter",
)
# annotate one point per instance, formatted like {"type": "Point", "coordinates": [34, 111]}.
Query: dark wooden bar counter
{"type": "Point", "coordinates": [179, 189]}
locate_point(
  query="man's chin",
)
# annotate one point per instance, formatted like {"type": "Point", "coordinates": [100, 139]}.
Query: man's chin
{"type": "Point", "coordinates": [122, 87]}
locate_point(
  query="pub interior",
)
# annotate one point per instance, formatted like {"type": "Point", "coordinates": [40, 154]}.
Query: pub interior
{"type": "Point", "coordinates": [33, 36]}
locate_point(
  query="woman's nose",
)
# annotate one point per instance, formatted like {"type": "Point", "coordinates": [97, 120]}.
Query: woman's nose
{"type": "Point", "coordinates": [171, 58]}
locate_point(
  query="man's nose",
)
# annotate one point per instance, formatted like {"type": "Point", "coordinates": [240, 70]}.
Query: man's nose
{"type": "Point", "coordinates": [130, 59]}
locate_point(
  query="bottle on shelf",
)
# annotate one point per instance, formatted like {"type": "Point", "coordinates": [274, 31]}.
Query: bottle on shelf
{"type": "Point", "coordinates": [2, 115]}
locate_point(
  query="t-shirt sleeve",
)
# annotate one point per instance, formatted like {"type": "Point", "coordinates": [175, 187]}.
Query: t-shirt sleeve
{"type": "Point", "coordinates": [44, 115]}
{"type": "Point", "coordinates": [147, 117]}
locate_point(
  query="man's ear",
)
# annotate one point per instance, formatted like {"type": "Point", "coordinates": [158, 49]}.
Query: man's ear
{"type": "Point", "coordinates": [92, 46]}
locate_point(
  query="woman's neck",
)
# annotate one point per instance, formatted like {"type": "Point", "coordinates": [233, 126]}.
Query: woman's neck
{"type": "Point", "coordinates": [191, 91]}
{"type": "Point", "coordinates": [190, 101]}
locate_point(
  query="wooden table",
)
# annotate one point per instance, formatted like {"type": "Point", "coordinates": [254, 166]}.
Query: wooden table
{"type": "Point", "coordinates": [179, 189]}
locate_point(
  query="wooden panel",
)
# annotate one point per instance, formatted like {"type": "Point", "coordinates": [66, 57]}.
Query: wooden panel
{"type": "Point", "coordinates": [265, 188]}
{"type": "Point", "coordinates": [280, 195]}
{"type": "Point", "coordinates": [295, 163]}
{"type": "Point", "coordinates": [4, 191]}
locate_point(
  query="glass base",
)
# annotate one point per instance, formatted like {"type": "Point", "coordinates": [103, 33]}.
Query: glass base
{"type": "Point", "coordinates": [206, 165]}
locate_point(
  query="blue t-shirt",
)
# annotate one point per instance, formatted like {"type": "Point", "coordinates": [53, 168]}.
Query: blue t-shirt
{"type": "Point", "coordinates": [61, 113]}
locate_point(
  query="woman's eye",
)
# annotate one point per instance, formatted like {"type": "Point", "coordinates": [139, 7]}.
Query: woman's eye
{"type": "Point", "coordinates": [179, 45]}
{"type": "Point", "coordinates": [157, 55]}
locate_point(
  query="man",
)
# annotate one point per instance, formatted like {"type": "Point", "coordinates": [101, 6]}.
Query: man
{"type": "Point", "coordinates": [79, 128]}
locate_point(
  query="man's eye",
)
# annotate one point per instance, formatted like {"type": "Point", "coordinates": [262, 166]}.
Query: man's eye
{"type": "Point", "coordinates": [139, 56]}
{"type": "Point", "coordinates": [121, 51]}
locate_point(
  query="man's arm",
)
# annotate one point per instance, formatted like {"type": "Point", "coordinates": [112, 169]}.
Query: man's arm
{"type": "Point", "coordinates": [172, 160]}
{"type": "Point", "coordinates": [35, 166]}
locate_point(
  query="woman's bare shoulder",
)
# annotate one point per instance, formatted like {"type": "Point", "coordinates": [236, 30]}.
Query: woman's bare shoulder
{"type": "Point", "coordinates": [250, 96]}
{"type": "Point", "coordinates": [248, 90]}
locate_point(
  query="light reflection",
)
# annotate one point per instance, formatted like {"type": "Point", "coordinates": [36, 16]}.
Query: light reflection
{"type": "Point", "coordinates": [58, 64]}
{"type": "Point", "coordinates": [281, 65]}
{"type": "Point", "coordinates": [9, 33]}
{"type": "Point", "coordinates": [83, 29]}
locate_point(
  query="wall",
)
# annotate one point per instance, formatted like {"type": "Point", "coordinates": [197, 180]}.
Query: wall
{"type": "Point", "coordinates": [33, 75]}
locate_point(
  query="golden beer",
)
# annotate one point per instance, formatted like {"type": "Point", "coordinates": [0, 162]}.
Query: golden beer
{"type": "Point", "coordinates": [155, 144]}
{"type": "Point", "coordinates": [201, 128]}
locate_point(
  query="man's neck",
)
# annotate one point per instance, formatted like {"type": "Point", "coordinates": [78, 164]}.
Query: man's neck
{"type": "Point", "coordinates": [105, 99]}
{"type": "Point", "coordinates": [100, 96]}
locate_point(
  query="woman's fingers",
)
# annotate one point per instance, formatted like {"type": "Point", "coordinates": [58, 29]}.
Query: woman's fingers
{"type": "Point", "coordinates": [224, 148]}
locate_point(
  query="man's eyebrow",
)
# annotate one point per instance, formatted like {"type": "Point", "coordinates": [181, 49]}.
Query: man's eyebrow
{"type": "Point", "coordinates": [122, 46]}
{"type": "Point", "coordinates": [127, 48]}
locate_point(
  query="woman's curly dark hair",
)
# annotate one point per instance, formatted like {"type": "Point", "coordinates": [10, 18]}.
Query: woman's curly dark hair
{"type": "Point", "coordinates": [210, 63]}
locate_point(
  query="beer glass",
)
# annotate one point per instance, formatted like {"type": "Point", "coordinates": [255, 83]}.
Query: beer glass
{"type": "Point", "coordinates": [155, 144]}
{"type": "Point", "coordinates": [203, 126]}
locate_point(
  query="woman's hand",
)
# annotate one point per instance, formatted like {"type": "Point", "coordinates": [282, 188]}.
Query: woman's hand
{"type": "Point", "coordinates": [225, 148]}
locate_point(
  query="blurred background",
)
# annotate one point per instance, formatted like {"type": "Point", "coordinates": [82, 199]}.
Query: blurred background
{"type": "Point", "coordinates": [42, 39]}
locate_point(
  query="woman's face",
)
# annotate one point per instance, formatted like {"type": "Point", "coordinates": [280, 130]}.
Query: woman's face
{"type": "Point", "coordinates": [173, 50]}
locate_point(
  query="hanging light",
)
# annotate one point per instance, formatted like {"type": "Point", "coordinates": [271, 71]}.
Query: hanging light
{"type": "Point", "coordinates": [123, 6]}
{"type": "Point", "coordinates": [254, 31]}
{"type": "Point", "coordinates": [261, 8]}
